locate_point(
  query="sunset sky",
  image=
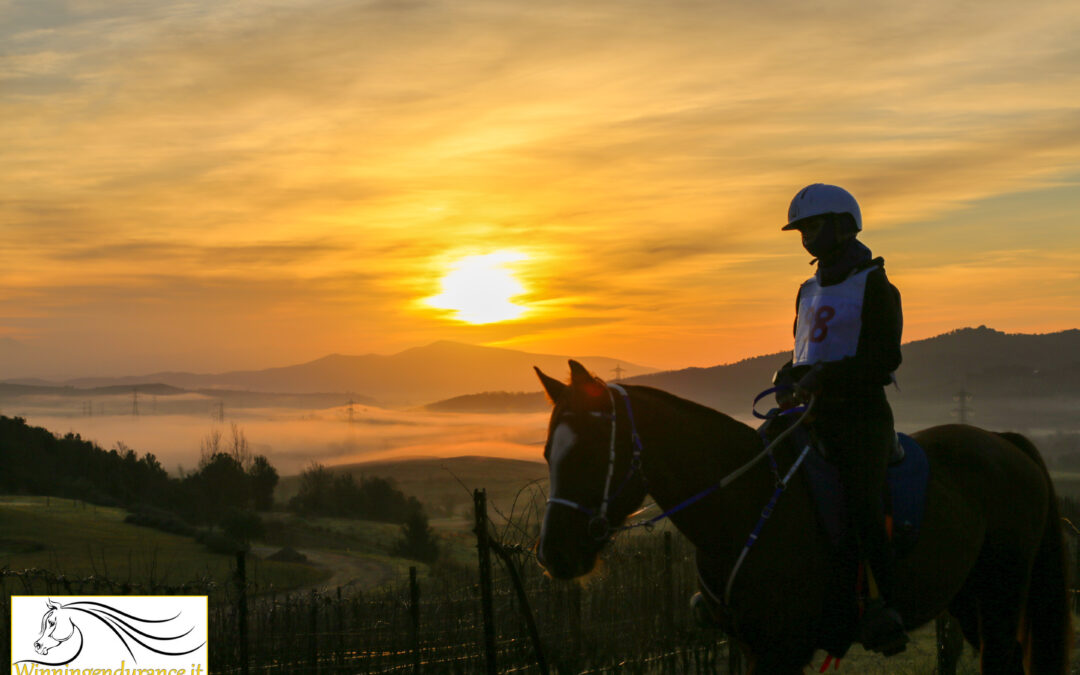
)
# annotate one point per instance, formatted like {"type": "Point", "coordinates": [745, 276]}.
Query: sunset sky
{"type": "Point", "coordinates": [218, 185]}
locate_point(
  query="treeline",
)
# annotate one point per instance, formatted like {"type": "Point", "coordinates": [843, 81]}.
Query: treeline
{"type": "Point", "coordinates": [228, 480]}
{"type": "Point", "coordinates": [340, 495]}
{"type": "Point", "coordinates": [327, 493]}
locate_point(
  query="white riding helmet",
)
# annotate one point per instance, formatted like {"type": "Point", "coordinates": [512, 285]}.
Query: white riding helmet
{"type": "Point", "coordinates": [816, 199]}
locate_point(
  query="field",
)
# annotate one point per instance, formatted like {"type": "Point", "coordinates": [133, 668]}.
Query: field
{"type": "Point", "coordinates": [350, 606]}
{"type": "Point", "coordinates": [445, 485]}
{"type": "Point", "coordinates": [81, 540]}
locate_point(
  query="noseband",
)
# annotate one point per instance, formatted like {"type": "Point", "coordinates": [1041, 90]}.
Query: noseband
{"type": "Point", "coordinates": [599, 526]}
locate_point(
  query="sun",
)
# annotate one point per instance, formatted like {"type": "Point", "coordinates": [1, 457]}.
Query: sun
{"type": "Point", "coordinates": [481, 288]}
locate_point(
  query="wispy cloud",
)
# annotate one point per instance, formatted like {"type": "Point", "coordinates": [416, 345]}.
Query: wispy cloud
{"type": "Point", "coordinates": [311, 167]}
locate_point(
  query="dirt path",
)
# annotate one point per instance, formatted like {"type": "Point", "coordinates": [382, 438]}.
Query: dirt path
{"type": "Point", "coordinates": [351, 573]}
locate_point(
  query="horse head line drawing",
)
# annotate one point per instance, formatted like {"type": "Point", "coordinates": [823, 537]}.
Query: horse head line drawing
{"type": "Point", "coordinates": [58, 627]}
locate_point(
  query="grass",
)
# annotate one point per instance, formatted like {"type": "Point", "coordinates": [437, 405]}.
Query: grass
{"type": "Point", "coordinates": [920, 658]}
{"type": "Point", "coordinates": [367, 539]}
{"type": "Point", "coordinates": [81, 540]}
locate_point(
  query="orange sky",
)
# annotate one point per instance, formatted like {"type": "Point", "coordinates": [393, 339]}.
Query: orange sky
{"type": "Point", "coordinates": [208, 186]}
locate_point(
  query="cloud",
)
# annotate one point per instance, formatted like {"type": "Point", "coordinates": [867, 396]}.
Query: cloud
{"type": "Point", "coordinates": [321, 163]}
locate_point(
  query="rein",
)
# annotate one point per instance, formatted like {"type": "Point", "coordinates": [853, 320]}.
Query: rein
{"type": "Point", "coordinates": [600, 527]}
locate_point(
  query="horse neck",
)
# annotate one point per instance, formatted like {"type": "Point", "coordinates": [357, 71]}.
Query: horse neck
{"type": "Point", "coordinates": [688, 449]}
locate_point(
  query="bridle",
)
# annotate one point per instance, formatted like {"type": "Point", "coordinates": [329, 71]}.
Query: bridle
{"type": "Point", "coordinates": [599, 527]}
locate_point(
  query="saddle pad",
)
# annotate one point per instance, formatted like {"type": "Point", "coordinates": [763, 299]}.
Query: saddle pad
{"type": "Point", "coordinates": [907, 482]}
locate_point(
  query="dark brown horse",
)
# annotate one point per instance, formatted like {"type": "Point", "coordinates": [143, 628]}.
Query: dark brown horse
{"type": "Point", "coordinates": [990, 549]}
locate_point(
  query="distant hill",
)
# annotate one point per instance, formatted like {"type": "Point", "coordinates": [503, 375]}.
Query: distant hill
{"type": "Point", "coordinates": [1017, 381]}
{"type": "Point", "coordinates": [157, 398]}
{"type": "Point", "coordinates": [493, 402]}
{"type": "Point", "coordinates": [415, 376]}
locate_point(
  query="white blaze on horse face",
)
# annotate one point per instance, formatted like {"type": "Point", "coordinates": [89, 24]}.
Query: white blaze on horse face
{"type": "Point", "coordinates": [562, 440]}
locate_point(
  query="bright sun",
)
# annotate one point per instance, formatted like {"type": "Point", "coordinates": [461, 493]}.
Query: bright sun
{"type": "Point", "coordinates": [480, 288]}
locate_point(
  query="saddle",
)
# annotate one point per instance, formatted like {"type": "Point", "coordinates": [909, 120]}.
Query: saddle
{"type": "Point", "coordinates": [903, 498]}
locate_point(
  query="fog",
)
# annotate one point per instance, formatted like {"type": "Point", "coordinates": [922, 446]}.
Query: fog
{"type": "Point", "coordinates": [293, 438]}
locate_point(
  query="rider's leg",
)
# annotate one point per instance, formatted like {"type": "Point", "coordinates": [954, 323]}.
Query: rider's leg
{"type": "Point", "coordinates": [859, 434]}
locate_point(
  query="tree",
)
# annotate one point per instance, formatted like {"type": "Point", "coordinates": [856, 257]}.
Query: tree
{"type": "Point", "coordinates": [224, 485]}
{"type": "Point", "coordinates": [315, 488]}
{"type": "Point", "coordinates": [240, 450]}
{"type": "Point", "coordinates": [418, 539]}
{"type": "Point", "coordinates": [263, 479]}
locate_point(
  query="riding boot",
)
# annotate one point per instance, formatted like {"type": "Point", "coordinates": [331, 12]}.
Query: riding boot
{"type": "Point", "coordinates": [881, 628]}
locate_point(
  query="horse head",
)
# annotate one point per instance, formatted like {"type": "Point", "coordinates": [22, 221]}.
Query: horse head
{"type": "Point", "coordinates": [592, 485]}
{"type": "Point", "coordinates": [56, 628]}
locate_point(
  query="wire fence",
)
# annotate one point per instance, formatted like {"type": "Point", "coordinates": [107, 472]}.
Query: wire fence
{"type": "Point", "coordinates": [512, 619]}
{"type": "Point", "coordinates": [630, 619]}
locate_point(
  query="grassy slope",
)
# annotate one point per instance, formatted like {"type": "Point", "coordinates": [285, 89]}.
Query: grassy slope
{"type": "Point", "coordinates": [445, 485]}
{"type": "Point", "coordinates": [80, 540]}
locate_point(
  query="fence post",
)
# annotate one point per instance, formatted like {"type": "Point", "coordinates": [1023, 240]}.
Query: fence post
{"type": "Point", "coordinates": [669, 586]}
{"type": "Point", "coordinates": [340, 614]}
{"type": "Point", "coordinates": [313, 640]}
{"type": "Point", "coordinates": [414, 615]}
{"type": "Point", "coordinates": [242, 610]}
{"type": "Point", "coordinates": [525, 607]}
{"type": "Point", "coordinates": [486, 603]}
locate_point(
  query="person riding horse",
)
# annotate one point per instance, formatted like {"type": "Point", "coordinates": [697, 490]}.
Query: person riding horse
{"type": "Point", "coordinates": [847, 346]}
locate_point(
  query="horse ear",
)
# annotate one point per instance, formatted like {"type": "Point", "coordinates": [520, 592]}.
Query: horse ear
{"type": "Point", "coordinates": [52, 605]}
{"type": "Point", "coordinates": [553, 387]}
{"type": "Point", "coordinates": [579, 376]}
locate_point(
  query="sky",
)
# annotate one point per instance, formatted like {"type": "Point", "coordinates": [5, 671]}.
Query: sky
{"type": "Point", "coordinates": [210, 186]}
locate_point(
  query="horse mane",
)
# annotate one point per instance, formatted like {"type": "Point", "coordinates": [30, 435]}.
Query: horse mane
{"type": "Point", "coordinates": [687, 406]}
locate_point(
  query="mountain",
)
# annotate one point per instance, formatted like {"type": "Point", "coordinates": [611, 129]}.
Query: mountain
{"type": "Point", "coordinates": [415, 376]}
{"type": "Point", "coordinates": [1017, 381]}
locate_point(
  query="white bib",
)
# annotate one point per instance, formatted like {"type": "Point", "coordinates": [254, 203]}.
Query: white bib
{"type": "Point", "coordinates": [830, 319]}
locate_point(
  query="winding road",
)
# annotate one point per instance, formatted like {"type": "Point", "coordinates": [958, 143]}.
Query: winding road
{"type": "Point", "coordinates": [350, 573]}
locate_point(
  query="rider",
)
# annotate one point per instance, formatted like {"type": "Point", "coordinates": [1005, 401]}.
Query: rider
{"type": "Point", "coordinates": [847, 345]}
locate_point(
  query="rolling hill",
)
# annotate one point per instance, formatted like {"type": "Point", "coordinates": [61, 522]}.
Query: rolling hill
{"type": "Point", "coordinates": [415, 376]}
{"type": "Point", "coordinates": [1016, 381]}
{"type": "Point", "coordinates": [444, 486]}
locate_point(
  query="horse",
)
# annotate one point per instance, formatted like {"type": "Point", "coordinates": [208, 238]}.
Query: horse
{"type": "Point", "coordinates": [990, 550]}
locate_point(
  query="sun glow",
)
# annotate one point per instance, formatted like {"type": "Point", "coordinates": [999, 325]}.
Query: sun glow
{"type": "Point", "coordinates": [481, 288]}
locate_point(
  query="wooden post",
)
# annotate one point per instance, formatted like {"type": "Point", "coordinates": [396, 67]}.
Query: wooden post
{"type": "Point", "coordinates": [313, 639]}
{"type": "Point", "coordinates": [526, 608]}
{"type": "Point", "coordinates": [414, 615]}
{"type": "Point", "coordinates": [242, 610]}
{"type": "Point", "coordinates": [486, 602]}
{"type": "Point", "coordinates": [669, 586]}
{"type": "Point", "coordinates": [340, 613]}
